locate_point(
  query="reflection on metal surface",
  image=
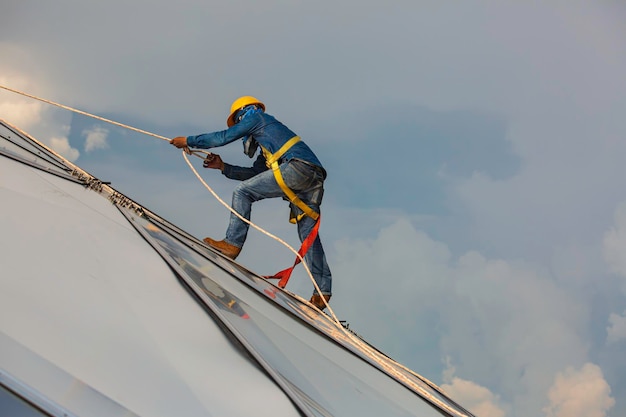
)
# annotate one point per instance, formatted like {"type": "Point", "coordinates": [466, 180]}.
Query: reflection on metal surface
{"type": "Point", "coordinates": [324, 368]}
{"type": "Point", "coordinates": [47, 387]}
{"type": "Point", "coordinates": [240, 296]}
{"type": "Point", "coordinates": [188, 262]}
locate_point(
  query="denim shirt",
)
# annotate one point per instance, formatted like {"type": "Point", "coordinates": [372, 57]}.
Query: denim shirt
{"type": "Point", "coordinates": [235, 172]}
{"type": "Point", "coordinates": [265, 129]}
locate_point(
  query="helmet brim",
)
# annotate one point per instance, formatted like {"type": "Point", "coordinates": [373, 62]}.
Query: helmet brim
{"type": "Point", "coordinates": [230, 122]}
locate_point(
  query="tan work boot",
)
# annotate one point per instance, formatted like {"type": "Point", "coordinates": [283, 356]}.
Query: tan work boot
{"type": "Point", "coordinates": [317, 301]}
{"type": "Point", "coordinates": [226, 249]}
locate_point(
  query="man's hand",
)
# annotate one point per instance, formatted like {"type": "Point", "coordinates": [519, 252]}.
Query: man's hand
{"type": "Point", "coordinates": [213, 161]}
{"type": "Point", "coordinates": [180, 142]}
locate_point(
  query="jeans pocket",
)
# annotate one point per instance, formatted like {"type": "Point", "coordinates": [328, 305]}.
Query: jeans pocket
{"type": "Point", "coordinates": [297, 175]}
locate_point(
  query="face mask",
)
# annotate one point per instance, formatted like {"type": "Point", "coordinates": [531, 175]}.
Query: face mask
{"type": "Point", "coordinates": [253, 108]}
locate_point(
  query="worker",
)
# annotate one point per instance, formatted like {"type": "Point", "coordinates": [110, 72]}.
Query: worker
{"type": "Point", "coordinates": [285, 167]}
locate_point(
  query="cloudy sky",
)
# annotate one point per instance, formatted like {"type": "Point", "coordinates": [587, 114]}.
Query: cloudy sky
{"type": "Point", "coordinates": [475, 210]}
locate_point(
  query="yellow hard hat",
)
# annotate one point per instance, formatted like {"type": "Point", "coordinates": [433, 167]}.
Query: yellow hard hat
{"type": "Point", "coordinates": [239, 104]}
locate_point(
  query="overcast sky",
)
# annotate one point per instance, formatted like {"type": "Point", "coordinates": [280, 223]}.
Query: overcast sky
{"type": "Point", "coordinates": [475, 210]}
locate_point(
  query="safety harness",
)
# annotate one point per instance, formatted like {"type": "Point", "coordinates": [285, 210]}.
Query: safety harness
{"type": "Point", "coordinates": [272, 162]}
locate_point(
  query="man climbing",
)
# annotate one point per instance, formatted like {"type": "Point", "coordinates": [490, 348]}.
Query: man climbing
{"type": "Point", "coordinates": [285, 167]}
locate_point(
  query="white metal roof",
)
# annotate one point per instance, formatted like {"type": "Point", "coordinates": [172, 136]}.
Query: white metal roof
{"type": "Point", "coordinates": [107, 309]}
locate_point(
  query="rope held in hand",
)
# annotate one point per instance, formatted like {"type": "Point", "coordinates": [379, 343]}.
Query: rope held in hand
{"type": "Point", "coordinates": [366, 348]}
{"type": "Point", "coordinates": [195, 152]}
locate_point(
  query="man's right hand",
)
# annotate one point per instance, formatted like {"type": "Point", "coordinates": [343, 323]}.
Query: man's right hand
{"type": "Point", "coordinates": [181, 143]}
{"type": "Point", "coordinates": [213, 161]}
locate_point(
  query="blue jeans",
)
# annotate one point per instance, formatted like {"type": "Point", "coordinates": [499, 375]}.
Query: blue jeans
{"type": "Point", "coordinates": [307, 183]}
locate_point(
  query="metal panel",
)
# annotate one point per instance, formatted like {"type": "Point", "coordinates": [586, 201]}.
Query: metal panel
{"type": "Point", "coordinates": [332, 372]}
{"type": "Point", "coordinates": [82, 290]}
{"type": "Point", "coordinates": [62, 391]}
{"type": "Point", "coordinates": [146, 316]}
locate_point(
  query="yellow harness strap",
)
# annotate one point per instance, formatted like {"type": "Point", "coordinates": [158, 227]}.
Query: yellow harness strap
{"type": "Point", "coordinates": [272, 162]}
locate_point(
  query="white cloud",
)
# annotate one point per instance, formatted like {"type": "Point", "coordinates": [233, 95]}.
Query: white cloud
{"type": "Point", "coordinates": [477, 399]}
{"type": "Point", "coordinates": [18, 110]}
{"type": "Point", "coordinates": [37, 120]}
{"type": "Point", "coordinates": [95, 138]}
{"type": "Point", "coordinates": [474, 397]}
{"type": "Point", "coordinates": [616, 330]}
{"type": "Point", "coordinates": [580, 393]}
{"type": "Point", "coordinates": [63, 147]}
{"type": "Point", "coordinates": [34, 119]}
{"type": "Point", "coordinates": [510, 325]}
{"type": "Point", "coordinates": [504, 323]}
{"type": "Point", "coordinates": [42, 121]}
{"type": "Point", "coordinates": [20, 113]}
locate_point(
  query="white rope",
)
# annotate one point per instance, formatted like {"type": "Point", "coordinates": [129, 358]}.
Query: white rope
{"type": "Point", "coordinates": [193, 152]}
{"type": "Point", "coordinates": [85, 113]}
{"type": "Point", "coordinates": [265, 232]}
{"type": "Point", "coordinates": [374, 354]}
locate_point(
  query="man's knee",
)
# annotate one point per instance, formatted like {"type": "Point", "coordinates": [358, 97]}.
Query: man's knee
{"type": "Point", "coordinates": [242, 190]}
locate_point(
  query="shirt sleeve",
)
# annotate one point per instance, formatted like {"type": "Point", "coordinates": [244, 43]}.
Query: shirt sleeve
{"type": "Point", "coordinates": [235, 172]}
{"type": "Point", "coordinates": [220, 138]}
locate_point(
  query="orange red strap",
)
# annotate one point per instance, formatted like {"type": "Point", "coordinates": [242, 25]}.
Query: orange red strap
{"type": "Point", "coordinates": [285, 274]}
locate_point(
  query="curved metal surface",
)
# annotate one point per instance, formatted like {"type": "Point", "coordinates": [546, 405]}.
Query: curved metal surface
{"type": "Point", "coordinates": [97, 289]}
